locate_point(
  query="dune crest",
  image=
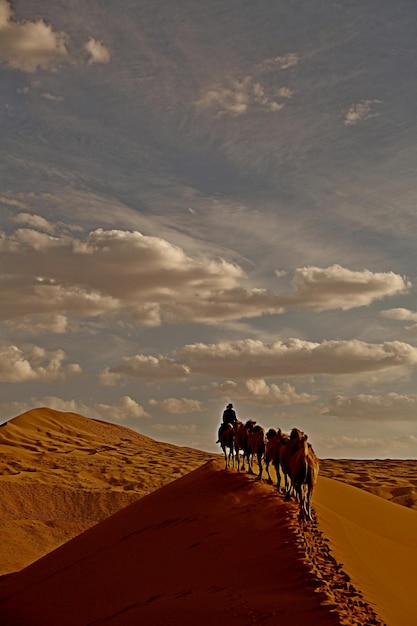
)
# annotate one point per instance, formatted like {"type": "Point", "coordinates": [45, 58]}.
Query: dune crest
{"type": "Point", "coordinates": [214, 546]}
{"type": "Point", "coordinates": [206, 544]}
{"type": "Point", "coordinates": [60, 473]}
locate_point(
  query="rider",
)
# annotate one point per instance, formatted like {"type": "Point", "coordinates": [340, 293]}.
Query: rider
{"type": "Point", "coordinates": [229, 417]}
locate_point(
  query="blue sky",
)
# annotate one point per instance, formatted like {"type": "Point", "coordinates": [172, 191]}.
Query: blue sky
{"type": "Point", "coordinates": [203, 203]}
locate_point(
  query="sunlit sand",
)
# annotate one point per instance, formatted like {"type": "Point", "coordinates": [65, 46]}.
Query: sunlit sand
{"type": "Point", "coordinates": [205, 545]}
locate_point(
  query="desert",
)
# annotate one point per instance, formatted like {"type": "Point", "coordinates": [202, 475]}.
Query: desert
{"type": "Point", "coordinates": [101, 525]}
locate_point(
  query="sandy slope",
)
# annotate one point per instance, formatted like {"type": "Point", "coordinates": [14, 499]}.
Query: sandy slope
{"type": "Point", "coordinates": [210, 547]}
{"type": "Point", "coordinates": [389, 478]}
{"type": "Point", "coordinates": [377, 543]}
{"type": "Point", "coordinates": [214, 547]}
{"type": "Point", "coordinates": [60, 473]}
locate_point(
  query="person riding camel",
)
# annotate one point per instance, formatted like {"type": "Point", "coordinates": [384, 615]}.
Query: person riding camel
{"type": "Point", "coordinates": [229, 417]}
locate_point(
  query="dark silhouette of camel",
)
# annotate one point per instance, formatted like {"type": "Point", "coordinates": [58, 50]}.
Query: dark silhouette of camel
{"type": "Point", "coordinates": [227, 439]}
{"type": "Point", "coordinates": [303, 469]}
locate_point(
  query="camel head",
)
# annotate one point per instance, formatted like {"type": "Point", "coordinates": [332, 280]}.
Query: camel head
{"type": "Point", "coordinates": [271, 433]}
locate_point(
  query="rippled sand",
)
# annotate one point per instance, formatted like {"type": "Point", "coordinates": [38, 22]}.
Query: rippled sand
{"type": "Point", "coordinates": [169, 532]}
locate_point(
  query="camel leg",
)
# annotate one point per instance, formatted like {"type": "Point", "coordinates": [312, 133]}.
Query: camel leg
{"type": "Point", "coordinates": [250, 458]}
{"type": "Point", "coordinates": [260, 466]}
{"type": "Point", "coordinates": [267, 470]}
{"type": "Point", "coordinates": [303, 496]}
{"type": "Point", "coordinates": [308, 503]}
{"type": "Point", "coordinates": [241, 460]}
{"type": "Point", "coordinates": [277, 472]}
{"type": "Point", "coordinates": [226, 460]}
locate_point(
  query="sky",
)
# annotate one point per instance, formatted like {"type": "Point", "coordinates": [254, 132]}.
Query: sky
{"type": "Point", "coordinates": [204, 203]}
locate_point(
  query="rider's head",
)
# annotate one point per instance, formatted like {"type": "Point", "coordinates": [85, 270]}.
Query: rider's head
{"type": "Point", "coordinates": [229, 406]}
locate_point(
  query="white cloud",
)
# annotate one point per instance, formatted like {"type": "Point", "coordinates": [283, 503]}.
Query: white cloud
{"type": "Point", "coordinates": [251, 359]}
{"type": "Point", "coordinates": [403, 315]}
{"type": "Point", "coordinates": [360, 111]}
{"type": "Point", "coordinates": [236, 97]}
{"type": "Point", "coordinates": [391, 407]}
{"type": "Point", "coordinates": [285, 92]}
{"type": "Point", "coordinates": [126, 408]}
{"type": "Point", "coordinates": [262, 393]}
{"type": "Point", "coordinates": [281, 62]}
{"type": "Point", "coordinates": [254, 360]}
{"type": "Point", "coordinates": [34, 221]}
{"type": "Point", "coordinates": [35, 364]}
{"type": "Point", "coordinates": [150, 368]}
{"type": "Point", "coordinates": [177, 405]}
{"type": "Point", "coordinates": [108, 378]}
{"type": "Point", "coordinates": [12, 201]}
{"type": "Point", "coordinates": [400, 314]}
{"type": "Point", "coordinates": [336, 287]}
{"type": "Point", "coordinates": [98, 52]}
{"type": "Point", "coordinates": [47, 273]}
{"type": "Point", "coordinates": [51, 97]}
{"type": "Point", "coordinates": [27, 46]}
{"type": "Point", "coordinates": [122, 410]}
{"type": "Point", "coordinates": [39, 325]}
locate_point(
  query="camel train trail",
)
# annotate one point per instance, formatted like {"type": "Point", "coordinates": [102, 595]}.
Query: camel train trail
{"type": "Point", "coordinates": [291, 456]}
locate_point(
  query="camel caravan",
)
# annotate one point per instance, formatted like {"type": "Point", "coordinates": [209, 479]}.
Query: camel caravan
{"type": "Point", "coordinates": [291, 456]}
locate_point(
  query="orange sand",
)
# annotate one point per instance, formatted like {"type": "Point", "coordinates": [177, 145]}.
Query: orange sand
{"type": "Point", "coordinates": [60, 473]}
{"type": "Point", "coordinates": [211, 547]}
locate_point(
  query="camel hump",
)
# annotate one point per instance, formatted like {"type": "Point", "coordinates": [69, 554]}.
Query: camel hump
{"type": "Point", "coordinates": [296, 433]}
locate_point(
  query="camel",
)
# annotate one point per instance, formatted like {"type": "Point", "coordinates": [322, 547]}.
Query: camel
{"type": "Point", "coordinates": [285, 453]}
{"type": "Point", "coordinates": [256, 444]}
{"type": "Point", "coordinates": [304, 470]}
{"type": "Point", "coordinates": [276, 441]}
{"type": "Point", "coordinates": [227, 438]}
{"type": "Point", "coordinates": [241, 442]}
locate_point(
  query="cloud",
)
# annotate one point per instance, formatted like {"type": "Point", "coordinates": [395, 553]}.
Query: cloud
{"type": "Point", "coordinates": [45, 272]}
{"type": "Point", "coordinates": [98, 52]}
{"type": "Point", "coordinates": [177, 405]}
{"type": "Point", "coordinates": [51, 97]}
{"type": "Point", "coordinates": [35, 364]}
{"type": "Point", "coordinates": [263, 394]}
{"type": "Point", "coordinates": [253, 359]}
{"type": "Point", "coordinates": [149, 368]}
{"type": "Point", "coordinates": [388, 407]}
{"type": "Point", "coordinates": [60, 274]}
{"type": "Point", "coordinates": [55, 324]}
{"type": "Point", "coordinates": [280, 62]}
{"type": "Point", "coordinates": [236, 97]}
{"type": "Point", "coordinates": [34, 221]}
{"type": "Point", "coordinates": [360, 111]}
{"type": "Point", "coordinates": [336, 287]}
{"type": "Point", "coordinates": [12, 201]}
{"type": "Point", "coordinates": [403, 315]}
{"type": "Point", "coordinates": [28, 46]}
{"type": "Point", "coordinates": [122, 410]}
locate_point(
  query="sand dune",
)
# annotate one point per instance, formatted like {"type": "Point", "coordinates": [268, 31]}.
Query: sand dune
{"type": "Point", "coordinates": [212, 547]}
{"type": "Point", "coordinates": [205, 545]}
{"type": "Point", "coordinates": [377, 543]}
{"type": "Point", "coordinates": [60, 473]}
{"type": "Point", "coordinates": [391, 479]}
